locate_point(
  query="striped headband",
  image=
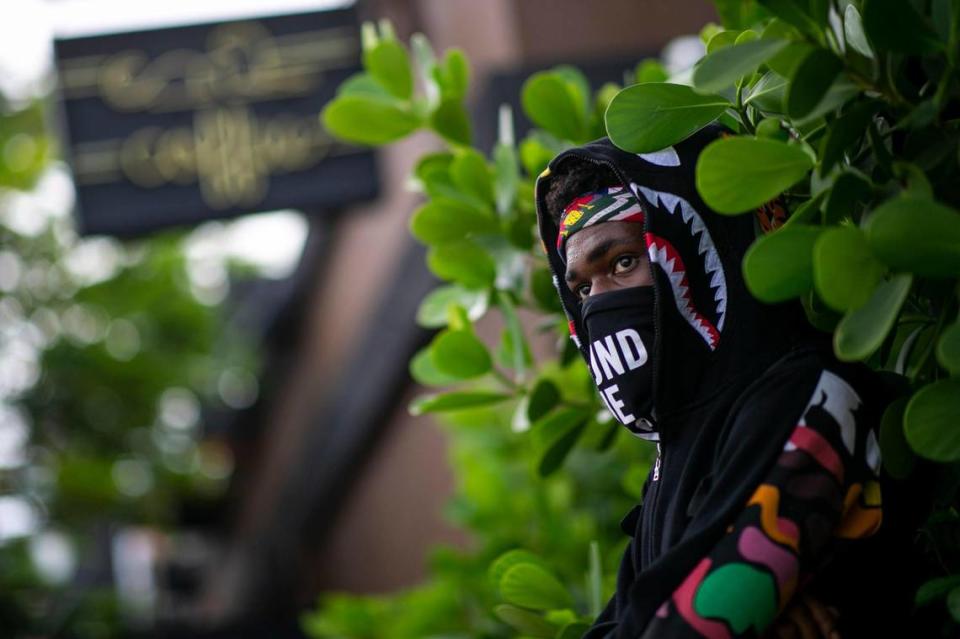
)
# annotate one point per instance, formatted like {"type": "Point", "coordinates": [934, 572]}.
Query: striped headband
{"type": "Point", "coordinates": [613, 204]}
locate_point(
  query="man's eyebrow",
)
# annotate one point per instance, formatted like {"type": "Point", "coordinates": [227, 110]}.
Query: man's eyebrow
{"type": "Point", "coordinates": [599, 251]}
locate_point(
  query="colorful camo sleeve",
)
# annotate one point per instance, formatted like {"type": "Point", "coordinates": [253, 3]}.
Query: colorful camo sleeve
{"type": "Point", "coordinates": [822, 486]}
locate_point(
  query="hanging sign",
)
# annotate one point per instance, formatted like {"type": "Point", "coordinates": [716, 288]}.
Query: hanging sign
{"type": "Point", "coordinates": [179, 125]}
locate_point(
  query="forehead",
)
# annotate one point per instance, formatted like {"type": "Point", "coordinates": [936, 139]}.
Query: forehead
{"type": "Point", "coordinates": [582, 244]}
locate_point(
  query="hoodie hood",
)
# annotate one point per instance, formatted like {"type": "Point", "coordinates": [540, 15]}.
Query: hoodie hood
{"type": "Point", "coordinates": [711, 334]}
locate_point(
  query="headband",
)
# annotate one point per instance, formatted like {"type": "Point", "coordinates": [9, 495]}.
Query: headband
{"type": "Point", "coordinates": [613, 204]}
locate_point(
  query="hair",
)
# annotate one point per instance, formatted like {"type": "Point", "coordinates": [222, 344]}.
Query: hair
{"type": "Point", "coordinates": [572, 179]}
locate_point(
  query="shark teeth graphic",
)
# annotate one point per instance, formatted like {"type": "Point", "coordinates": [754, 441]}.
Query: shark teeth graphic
{"type": "Point", "coordinates": [662, 252]}
{"type": "Point", "coordinates": [698, 231]}
{"type": "Point", "coordinates": [663, 157]}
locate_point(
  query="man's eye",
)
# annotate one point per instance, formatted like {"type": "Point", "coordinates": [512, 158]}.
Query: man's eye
{"type": "Point", "coordinates": [624, 263]}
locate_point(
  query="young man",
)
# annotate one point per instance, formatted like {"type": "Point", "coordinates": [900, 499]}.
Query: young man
{"type": "Point", "coordinates": [765, 496]}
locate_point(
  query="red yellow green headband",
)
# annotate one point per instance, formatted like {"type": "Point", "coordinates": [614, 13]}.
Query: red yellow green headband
{"type": "Point", "coordinates": [613, 204]}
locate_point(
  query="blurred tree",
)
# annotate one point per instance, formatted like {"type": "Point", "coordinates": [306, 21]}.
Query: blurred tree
{"type": "Point", "coordinates": [110, 351]}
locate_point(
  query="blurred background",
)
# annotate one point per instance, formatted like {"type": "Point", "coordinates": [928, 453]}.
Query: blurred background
{"type": "Point", "coordinates": [207, 305]}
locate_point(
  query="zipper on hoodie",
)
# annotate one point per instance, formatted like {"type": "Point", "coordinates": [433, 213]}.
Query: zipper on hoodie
{"type": "Point", "coordinates": [656, 466]}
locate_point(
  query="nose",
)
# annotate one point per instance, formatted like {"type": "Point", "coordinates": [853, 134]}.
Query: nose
{"type": "Point", "coordinates": [601, 285]}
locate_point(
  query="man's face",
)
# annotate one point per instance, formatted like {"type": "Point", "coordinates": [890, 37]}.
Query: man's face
{"type": "Point", "coordinates": [607, 257]}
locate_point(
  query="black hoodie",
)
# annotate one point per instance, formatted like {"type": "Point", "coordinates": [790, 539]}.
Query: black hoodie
{"type": "Point", "coordinates": [767, 468]}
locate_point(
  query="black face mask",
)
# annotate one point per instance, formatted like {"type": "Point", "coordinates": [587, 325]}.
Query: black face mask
{"type": "Point", "coordinates": [620, 335]}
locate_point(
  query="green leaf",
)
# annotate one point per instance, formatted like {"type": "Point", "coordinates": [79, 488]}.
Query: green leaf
{"type": "Point", "coordinates": [930, 421]}
{"type": "Point", "coordinates": [368, 120]}
{"type": "Point", "coordinates": [451, 122]}
{"type": "Point", "coordinates": [454, 74]}
{"type": "Point", "coordinates": [794, 13]}
{"type": "Point", "coordinates": [840, 92]}
{"type": "Point", "coordinates": [455, 401]}
{"type": "Point", "coordinates": [431, 163]}
{"type": "Point", "coordinates": [443, 220]}
{"type": "Point", "coordinates": [737, 14]}
{"type": "Point", "coordinates": [807, 211]}
{"type": "Point", "coordinates": [771, 128]}
{"type": "Point", "coordinates": [787, 60]}
{"type": "Point", "coordinates": [554, 436]}
{"type": "Point", "coordinates": [845, 272]}
{"type": "Point", "coordinates": [849, 192]}
{"type": "Point", "coordinates": [577, 83]}
{"type": "Point", "coordinates": [516, 342]}
{"type": "Point", "coordinates": [737, 174]}
{"type": "Point", "coordinates": [595, 580]}
{"type": "Point", "coordinates": [423, 370]}
{"type": "Point", "coordinates": [721, 40]}
{"type": "Point", "coordinates": [648, 117]}
{"type": "Point", "coordinates": [779, 266]}
{"type": "Point", "coordinates": [767, 93]}
{"type": "Point", "coordinates": [948, 349]}
{"type": "Point", "coordinates": [898, 458]}
{"type": "Point", "coordinates": [389, 64]}
{"type": "Point", "coordinates": [536, 151]}
{"type": "Point", "coordinates": [25, 146]}
{"type": "Point", "coordinates": [531, 624]}
{"type": "Point", "coordinates": [853, 32]}
{"type": "Point", "coordinates": [543, 290]}
{"type": "Point", "coordinates": [894, 25]}
{"type": "Point", "coordinates": [364, 84]}
{"type": "Point", "coordinates": [723, 68]}
{"type": "Point", "coordinates": [434, 309]}
{"type": "Point", "coordinates": [848, 128]}
{"type": "Point", "coordinates": [532, 586]}
{"type": "Point", "coordinates": [810, 82]}
{"type": "Point", "coordinates": [552, 103]}
{"type": "Point", "coordinates": [953, 603]}
{"type": "Point", "coordinates": [543, 398]}
{"type": "Point", "coordinates": [460, 353]}
{"type": "Point", "coordinates": [462, 262]}
{"type": "Point", "coordinates": [470, 173]}
{"type": "Point", "coordinates": [508, 560]}
{"type": "Point", "coordinates": [862, 330]}
{"type": "Point", "coordinates": [935, 589]}
{"type": "Point", "coordinates": [438, 184]}
{"type": "Point", "coordinates": [651, 70]}
{"type": "Point", "coordinates": [914, 180]}
{"type": "Point", "coordinates": [819, 316]}
{"type": "Point", "coordinates": [916, 235]}
{"type": "Point", "coordinates": [819, 11]}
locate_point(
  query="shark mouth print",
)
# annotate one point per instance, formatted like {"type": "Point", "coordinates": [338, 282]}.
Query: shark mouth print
{"type": "Point", "coordinates": [683, 281]}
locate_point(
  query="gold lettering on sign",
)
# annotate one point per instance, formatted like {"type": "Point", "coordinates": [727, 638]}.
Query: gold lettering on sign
{"type": "Point", "coordinates": [229, 152]}
{"type": "Point", "coordinates": [241, 62]}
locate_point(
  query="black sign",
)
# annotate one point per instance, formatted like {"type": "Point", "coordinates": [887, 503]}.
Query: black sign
{"type": "Point", "coordinates": [176, 126]}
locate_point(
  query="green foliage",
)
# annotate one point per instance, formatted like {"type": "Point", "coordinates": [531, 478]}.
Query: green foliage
{"type": "Point", "coordinates": [779, 266]}
{"type": "Point", "coordinates": [114, 363]}
{"type": "Point", "coordinates": [26, 146]}
{"type": "Point", "coordinates": [514, 421]}
{"type": "Point", "coordinates": [843, 112]}
{"type": "Point", "coordinates": [648, 117]}
{"type": "Point", "coordinates": [379, 105]}
{"type": "Point", "coordinates": [741, 173]}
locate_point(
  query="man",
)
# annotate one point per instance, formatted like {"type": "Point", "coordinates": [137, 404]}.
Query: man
{"type": "Point", "coordinates": [765, 496]}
